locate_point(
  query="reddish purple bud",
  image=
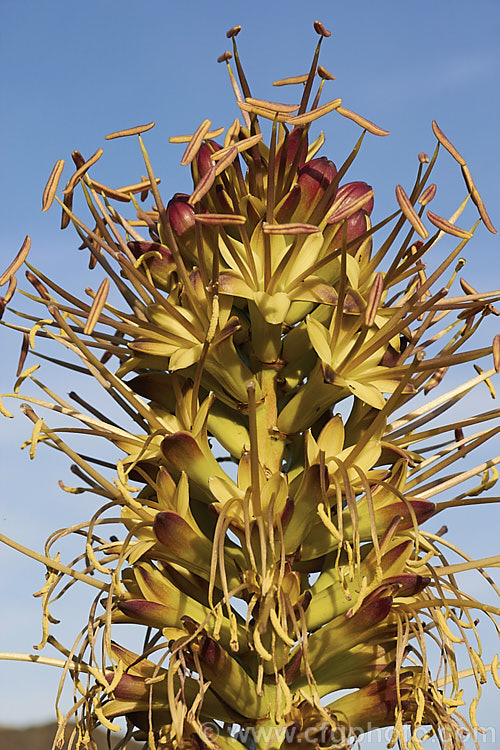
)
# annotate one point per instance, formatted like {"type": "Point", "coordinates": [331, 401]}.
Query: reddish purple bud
{"type": "Point", "coordinates": [226, 207]}
{"type": "Point", "coordinates": [287, 512]}
{"type": "Point", "coordinates": [356, 225]}
{"type": "Point", "coordinates": [289, 206]}
{"type": "Point", "coordinates": [148, 613]}
{"type": "Point", "coordinates": [198, 743]}
{"type": "Point", "coordinates": [297, 139]}
{"type": "Point", "coordinates": [305, 600]}
{"type": "Point", "coordinates": [180, 213]}
{"type": "Point", "coordinates": [210, 651]}
{"type": "Point", "coordinates": [407, 584]}
{"type": "Point", "coordinates": [353, 191]}
{"type": "Point", "coordinates": [160, 267]}
{"type": "Point", "coordinates": [142, 247]}
{"type": "Point", "coordinates": [129, 687]}
{"type": "Point", "coordinates": [204, 157]}
{"type": "Point", "coordinates": [424, 509]}
{"type": "Point", "coordinates": [390, 357]}
{"type": "Point", "coordinates": [374, 609]}
{"type": "Point", "coordinates": [292, 669]}
{"type": "Point", "coordinates": [314, 178]}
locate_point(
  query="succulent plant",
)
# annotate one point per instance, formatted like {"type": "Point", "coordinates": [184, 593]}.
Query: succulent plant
{"type": "Point", "coordinates": [272, 547]}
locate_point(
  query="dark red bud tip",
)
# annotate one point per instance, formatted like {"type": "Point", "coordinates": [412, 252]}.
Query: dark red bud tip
{"type": "Point", "coordinates": [287, 512]}
{"type": "Point", "coordinates": [223, 200]}
{"type": "Point", "coordinates": [292, 669]}
{"type": "Point", "coordinates": [320, 170]}
{"type": "Point", "coordinates": [191, 625]}
{"type": "Point", "coordinates": [139, 248]}
{"type": "Point", "coordinates": [197, 742]}
{"type": "Point", "coordinates": [210, 651]}
{"type": "Point", "coordinates": [314, 178]}
{"type": "Point", "coordinates": [204, 156]}
{"type": "Point", "coordinates": [180, 213]}
{"type": "Point", "coordinates": [160, 267]}
{"type": "Point", "coordinates": [407, 584]}
{"type": "Point", "coordinates": [143, 609]}
{"type": "Point", "coordinates": [40, 288]}
{"type": "Point", "coordinates": [306, 599]}
{"type": "Point", "coordinates": [172, 531]}
{"type": "Point", "coordinates": [129, 687]}
{"type": "Point", "coordinates": [374, 609]}
{"type": "Point", "coordinates": [289, 206]}
{"type": "Point", "coordinates": [424, 509]}
{"type": "Point", "coordinates": [356, 225]}
{"type": "Point", "coordinates": [297, 139]}
{"type": "Point", "coordinates": [351, 192]}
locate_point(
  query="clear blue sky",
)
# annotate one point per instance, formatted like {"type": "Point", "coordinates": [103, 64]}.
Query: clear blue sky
{"type": "Point", "coordinates": [74, 71]}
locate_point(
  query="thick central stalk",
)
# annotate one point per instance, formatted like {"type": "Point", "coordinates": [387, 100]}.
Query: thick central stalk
{"type": "Point", "coordinates": [271, 446]}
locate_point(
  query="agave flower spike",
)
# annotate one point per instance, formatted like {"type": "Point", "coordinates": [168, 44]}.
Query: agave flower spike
{"type": "Point", "coordinates": [271, 344]}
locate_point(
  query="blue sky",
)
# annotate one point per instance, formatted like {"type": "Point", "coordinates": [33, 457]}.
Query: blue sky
{"type": "Point", "coordinates": [74, 71]}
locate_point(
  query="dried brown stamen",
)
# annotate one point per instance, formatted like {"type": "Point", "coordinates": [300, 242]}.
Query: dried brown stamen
{"type": "Point", "coordinates": [474, 194]}
{"type": "Point", "coordinates": [52, 185]}
{"type": "Point", "coordinates": [109, 192]}
{"type": "Point", "coordinates": [240, 146]}
{"type": "Point", "coordinates": [428, 194]}
{"type": "Point", "coordinates": [410, 213]}
{"type": "Point", "coordinates": [446, 226]}
{"type": "Point", "coordinates": [315, 113]}
{"type": "Point", "coordinates": [272, 106]}
{"type": "Point", "coordinates": [130, 131]}
{"type": "Point", "coordinates": [81, 171]}
{"type": "Point", "coordinates": [17, 262]}
{"type": "Point", "coordinates": [362, 121]}
{"type": "Point", "coordinates": [374, 299]}
{"type": "Point", "coordinates": [292, 80]}
{"type": "Point", "coordinates": [97, 307]}
{"type": "Point", "coordinates": [268, 114]}
{"type": "Point", "coordinates": [325, 74]}
{"type": "Point", "coordinates": [320, 29]}
{"type": "Point", "coordinates": [138, 187]}
{"type": "Point", "coordinates": [10, 289]}
{"type": "Point", "coordinates": [195, 143]}
{"type": "Point", "coordinates": [296, 228]}
{"type": "Point", "coordinates": [23, 354]}
{"type": "Point", "coordinates": [233, 31]}
{"type": "Point", "coordinates": [224, 57]}
{"type": "Point", "coordinates": [219, 219]}
{"type": "Point", "coordinates": [227, 160]}
{"type": "Point", "coordinates": [349, 210]}
{"type": "Point", "coordinates": [496, 352]}
{"type": "Point", "coordinates": [448, 145]}
{"type": "Point", "coordinates": [203, 186]}
{"type": "Point", "coordinates": [187, 138]}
